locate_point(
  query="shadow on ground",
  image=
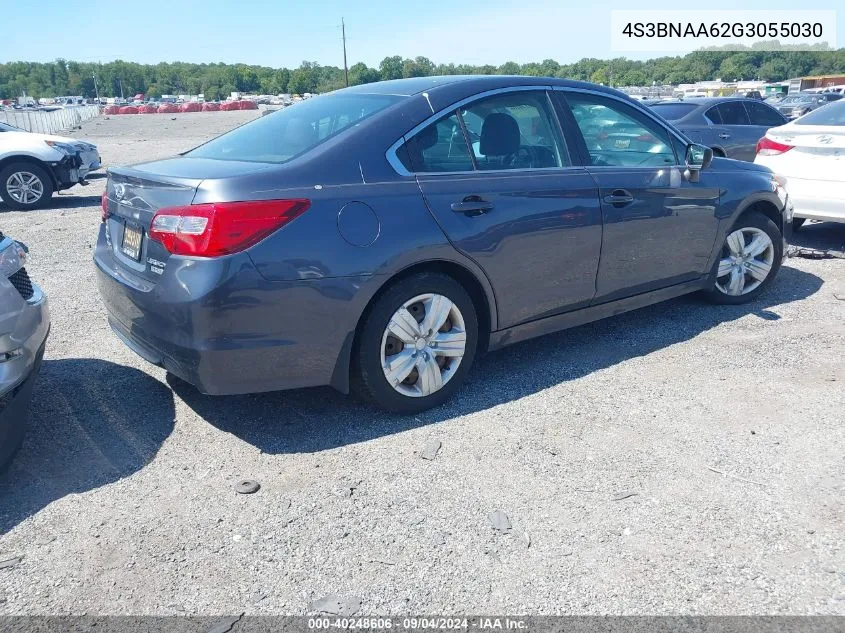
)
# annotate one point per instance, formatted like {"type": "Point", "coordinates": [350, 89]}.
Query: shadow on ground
{"type": "Point", "coordinates": [92, 422]}
{"type": "Point", "coordinates": [318, 419]}
{"type": "Point", "coordinates": [821, 235]}
{"type": "Point", "coordinates": [61, 201]}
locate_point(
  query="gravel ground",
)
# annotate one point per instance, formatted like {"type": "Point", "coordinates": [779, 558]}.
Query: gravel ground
{"type": "Point", "coordinates": [681, 459]}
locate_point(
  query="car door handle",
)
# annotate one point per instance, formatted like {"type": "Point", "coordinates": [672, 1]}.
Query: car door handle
{"type": "Point", "coordinates": [619, 197]}
{"type": "Point", "coordinates": [472, 205]}
{"type": "Point", "coordinates": [724, 135]}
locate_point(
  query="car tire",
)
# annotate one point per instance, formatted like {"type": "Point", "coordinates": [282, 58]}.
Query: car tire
{"type": "Point", "coordinates": [746, 273]}
{"type": "Point", "coordinates": [797, 223]}
{"type": "Point", "coordinates": [379, 348]}
{"type": "Point", "coordinates": [20, 182]}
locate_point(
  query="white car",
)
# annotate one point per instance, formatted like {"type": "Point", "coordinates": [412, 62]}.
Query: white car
{"type": "Point", "coordinates": [810, 153]}
{"type": "Point", "coordinates": [33, 166]}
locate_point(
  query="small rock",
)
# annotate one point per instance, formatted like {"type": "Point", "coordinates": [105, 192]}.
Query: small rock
{"type": "Point", "coordinates": [500, 521]}
{"type": "Point", "coordinates": [839, 296]}
{"type": "Point", "coordinates": [247, 487]}
{"type": "Point", "coordinates": [440, 539]}
{"type": "Point", "coordinates": [225, 625]}
{"type": "Point", "coordinates": [336, 605]}
{"type": "Point", "coordinates": [236, 537]}
{"type": "Point", "coordinates": [526, 537]}
{"type": "Point", "coordinates": [430, 450]}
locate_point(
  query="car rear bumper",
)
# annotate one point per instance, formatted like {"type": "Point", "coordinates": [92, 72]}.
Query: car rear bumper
{"type": "Point", "coordinates": [219, 325]}
{"type": "Point", "coordinates": [818, 199]}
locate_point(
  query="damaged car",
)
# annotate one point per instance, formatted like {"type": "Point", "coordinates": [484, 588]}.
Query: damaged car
{"type": "Point", "coordinates": [34, 166]}
{"type": "Point", "coordinates": [24, 326]}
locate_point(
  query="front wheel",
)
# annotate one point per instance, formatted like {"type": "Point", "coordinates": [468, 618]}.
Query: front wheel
{"type": "Point", "coordinates": [25, 186]}
{"type": "Point", "coordinates": [750, 259]}
{"type": "Point", "coordinates": [416, 344]}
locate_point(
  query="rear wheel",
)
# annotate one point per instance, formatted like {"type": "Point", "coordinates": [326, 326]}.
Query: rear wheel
{"type": "Point", "coordinates": [25, 186]}
{"type": "Point", "coordinates": [416, 344]}
{"type": "Point", "coordinates": [750, 259]}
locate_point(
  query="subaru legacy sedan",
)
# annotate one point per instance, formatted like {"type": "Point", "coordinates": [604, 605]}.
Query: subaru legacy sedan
{"type": "Point", "coordinates": [380, 237]}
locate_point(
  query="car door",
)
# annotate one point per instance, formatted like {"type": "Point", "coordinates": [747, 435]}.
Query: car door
{"type": "Point", "coordinates": [497, 176]}
{"type": "Point", "coordinates": [659, 228]}
{"type": "Point", "coordinates": [738, 137]}
{"type": "Point", "coordinates": [761, 117]}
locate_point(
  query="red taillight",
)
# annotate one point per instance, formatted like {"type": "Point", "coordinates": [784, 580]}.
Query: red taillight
{"type": "Point", "coordinates": [104, 203]}
{"type": "Point", "coordinates": [222, 228]}
{"type": "Point", "coordinates": [768, 147]}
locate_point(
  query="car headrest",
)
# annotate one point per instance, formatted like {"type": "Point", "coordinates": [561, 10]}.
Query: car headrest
{"type": "Point", "coordinates": [499, 135]}
{"type": "Point", "coordinates": [426, 138]}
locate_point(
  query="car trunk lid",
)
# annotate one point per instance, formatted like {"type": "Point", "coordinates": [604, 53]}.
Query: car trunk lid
{"type": "Point", "coordinates": [818, 152]}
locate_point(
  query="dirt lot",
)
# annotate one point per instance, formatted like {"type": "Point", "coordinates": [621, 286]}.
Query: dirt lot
{"type": "Point", "coordinates": [684, 458]}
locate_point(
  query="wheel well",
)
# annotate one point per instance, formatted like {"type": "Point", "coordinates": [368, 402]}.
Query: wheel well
{"type": "Point", "coordinates": [29, 159]}
{"type": "Point", "coordinates": [456, 272]}
{"type": "Point", "coordinates": [768, 209]}
{"type": "Point", "coordinates": [718, 151]}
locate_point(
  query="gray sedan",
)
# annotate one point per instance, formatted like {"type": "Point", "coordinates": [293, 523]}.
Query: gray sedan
{"type": "Point", "coordinates": [799, 104]}
{"type": "Point", "coordinates": [731, 126]}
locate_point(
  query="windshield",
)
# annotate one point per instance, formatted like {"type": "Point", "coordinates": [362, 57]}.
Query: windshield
{"type": "Point", "coordinates": [673, 111]}
{"type": "Point", "coordinates": [832, 114]}
{"type": "Point", "coordinates": [279, 137]}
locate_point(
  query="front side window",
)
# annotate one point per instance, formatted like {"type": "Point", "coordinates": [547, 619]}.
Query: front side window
{"type": "Point", "coordinates": [761, 114]}
{"type": "Point", "coordinates": [440, 147]}
{"type": "Point", "coordinates": [617, 135]}
{"type": "Point", "coordinates": [732, 113]}
{"type": "Point", "coordinates": [514, 131]}
{"type": "Point", "coordinates": [279, 137]}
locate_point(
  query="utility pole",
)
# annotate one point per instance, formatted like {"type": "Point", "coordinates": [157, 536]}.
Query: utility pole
{"type": "Point", "coordinates": [345, 69]}
{"type": "Point", "coordinates": [96, 91]}
{"type": "Point", "coordinates": [120, 83]}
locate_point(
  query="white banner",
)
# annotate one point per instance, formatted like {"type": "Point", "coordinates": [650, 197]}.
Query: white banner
{"type": "Point", "coordinates": [685, 31]}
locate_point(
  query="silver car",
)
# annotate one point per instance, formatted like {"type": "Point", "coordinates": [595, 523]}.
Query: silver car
{"type": "Point", "coordinates": [24, 325]}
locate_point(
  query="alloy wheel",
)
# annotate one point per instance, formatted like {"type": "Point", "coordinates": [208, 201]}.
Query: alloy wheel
{"type": "Point", "coordinates": [423, 345]}
{"type": "Point", "coordinates": [747, 260]}
{"type": "Point", "coordinates": [24, 187]}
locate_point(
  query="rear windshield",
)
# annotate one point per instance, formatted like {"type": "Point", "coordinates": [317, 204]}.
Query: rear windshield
{"type": "Point", "coordinates": [279, 137]}
{"type": "Point", "coordinates": [832, 114]}
{"type": "Point", "coordinates": [673, 111]}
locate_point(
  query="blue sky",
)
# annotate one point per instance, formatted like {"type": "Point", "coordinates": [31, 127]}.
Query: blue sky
{"type": "Point", "coordinates": [284, 33]}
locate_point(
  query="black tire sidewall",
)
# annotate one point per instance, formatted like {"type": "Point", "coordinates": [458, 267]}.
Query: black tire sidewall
{"type": "Point", "coordinates": [33, 168]}
{"type": "Point", "coordinates": [758, 221]}
{"type": "Point", "coordinates": [369, 377]}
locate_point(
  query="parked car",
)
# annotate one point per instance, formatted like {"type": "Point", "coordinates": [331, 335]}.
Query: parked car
{"type": "Point", "coordinates": [24, 325]}
{"type": "Point", "coordinates": [382, 235]}
{"type": "Point", "coordinates": [33, 166]}
{"type": "Point", "coordinates": [730, 126]}
{"type": "Point", "coordinates": [810, 153]}
{"type": "Point", "coordinates": [800, 103]}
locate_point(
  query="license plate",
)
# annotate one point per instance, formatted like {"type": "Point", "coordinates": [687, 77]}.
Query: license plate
{"type": "Point", "coordinates": [131, 245]}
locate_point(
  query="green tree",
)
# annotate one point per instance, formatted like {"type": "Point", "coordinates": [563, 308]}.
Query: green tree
{"type": "Point", "coordinates": [391, 67]}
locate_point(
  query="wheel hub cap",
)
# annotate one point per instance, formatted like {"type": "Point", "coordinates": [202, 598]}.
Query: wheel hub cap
{"type": "Point", "coordinates": [423, 345]}
{"type": "Point", "coordinates": [747, 260]}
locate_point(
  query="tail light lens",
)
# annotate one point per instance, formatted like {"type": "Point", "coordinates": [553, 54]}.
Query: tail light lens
{"type": "Point", "coordinates": [768, 147]}
{"type": "Point", "coordinates": [104, 203]}
{"type": "Point", "coordinates": [222, 228]}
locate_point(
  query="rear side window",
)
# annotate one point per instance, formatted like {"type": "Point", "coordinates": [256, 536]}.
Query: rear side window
{"type": "Point", "coordinates": [714, 116]}
{"type": "Point", "coordinates": [761, 114]}
{"type": "Point", "coordinates": [514, 131]}
{"type": "Point", "coordinates": [440, 147]}
{"type": "Point", "coordinates": [279, 137]}
{"type": "Point", "coordinates": [732, 113]}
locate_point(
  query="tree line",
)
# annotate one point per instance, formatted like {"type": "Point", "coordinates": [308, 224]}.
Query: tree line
{"type": "Point", "coordinates": [216, 81]}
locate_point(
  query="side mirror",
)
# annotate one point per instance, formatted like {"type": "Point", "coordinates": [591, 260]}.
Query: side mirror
{"type": "Point", "coordinates": [698, 157]}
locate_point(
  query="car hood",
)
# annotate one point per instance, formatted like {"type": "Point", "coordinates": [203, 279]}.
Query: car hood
{"type": "Point", "coordinates": [730, 163]}
{"type": "Point", "coordinates": [36, 136]}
